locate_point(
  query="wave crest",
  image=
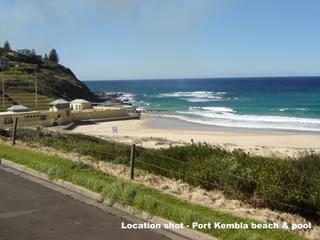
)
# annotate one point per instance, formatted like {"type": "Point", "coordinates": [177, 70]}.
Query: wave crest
{"type": "Point", "coordinates": [195, 96]}
{"type": "Point", "coordinates": [214, 109]}
{"type": "Point", "coordinates": [227, 117]}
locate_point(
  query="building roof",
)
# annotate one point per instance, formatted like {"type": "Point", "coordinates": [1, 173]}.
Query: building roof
{"type": "Point", "coordinates": [58, 102]}
{"type": "Point", "coordinates": [79, 101]}
{"type": "Point", "coordinates": [17, 113]}
{"type": "Point", "coordinates": [18, 108]}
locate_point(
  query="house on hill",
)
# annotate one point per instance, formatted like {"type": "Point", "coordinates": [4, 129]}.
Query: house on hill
{"type": "Point", "coordinates": [25, 52]}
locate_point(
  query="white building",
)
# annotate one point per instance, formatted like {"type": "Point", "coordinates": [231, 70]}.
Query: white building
{"type": "Point", "coordinates": [59, 104]}
{"type": "Point", "coordinates": [80, 104]}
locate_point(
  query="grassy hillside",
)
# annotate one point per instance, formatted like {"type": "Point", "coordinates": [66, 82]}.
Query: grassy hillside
{"type": "Point", "coordinates": [53, 81]}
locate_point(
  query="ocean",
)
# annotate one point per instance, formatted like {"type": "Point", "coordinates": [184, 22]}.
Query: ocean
{"type": "Point", "coordinates": [276, 103]}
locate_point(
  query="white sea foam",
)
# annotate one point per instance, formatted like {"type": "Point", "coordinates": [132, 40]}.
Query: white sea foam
{"type": "Point", "coordinates": [131, 98]}
{"type": "Point", "coordinates": [127, 96]}
{"type": "Point", "coordinates": [293, 109]}
{"type": "Point", "coordinates": [195, 96]}
{"type": "Point", "coordinates": [214, 109]}
{"type": "Point", "coordinates": [195, 100]}
{"type": "Point", "coordinates": [227, 117]}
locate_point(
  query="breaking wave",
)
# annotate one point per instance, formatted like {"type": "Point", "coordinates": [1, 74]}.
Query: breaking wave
{"type": "Point", "coordinates": [196, 96]}
{"type": "Point", "coordinates": [293, 109]}
{"type": "Point", "coordinates": [214, 109]}
{"type": "Point", "coordinates": [227, 117]}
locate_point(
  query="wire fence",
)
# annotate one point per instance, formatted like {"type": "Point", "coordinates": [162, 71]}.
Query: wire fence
{"type": "Point", "coordinates": [215, 185]}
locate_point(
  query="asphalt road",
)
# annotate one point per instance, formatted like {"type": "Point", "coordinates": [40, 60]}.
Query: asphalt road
{"type": "Point", "coordinates": [30, 211]}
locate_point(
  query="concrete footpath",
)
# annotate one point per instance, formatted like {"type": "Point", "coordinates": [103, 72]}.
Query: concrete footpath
{"type": "Point", "coordinates": [30, 211]}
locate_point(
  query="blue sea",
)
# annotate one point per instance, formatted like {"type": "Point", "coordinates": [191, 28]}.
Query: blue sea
{"type": "Point", "coordinates": [278, 103]}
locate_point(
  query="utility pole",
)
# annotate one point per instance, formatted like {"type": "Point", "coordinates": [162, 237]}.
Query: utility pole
{"type": "Point", "coordinates": [35, 86]}
{"type": "Point", "coordinates": [2, 80]}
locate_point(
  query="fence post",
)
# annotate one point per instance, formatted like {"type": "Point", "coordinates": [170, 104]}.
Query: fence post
{"type": "Point", "coordinates": [14, 134]}
{"type": "Point", "coordinates": [132, 160]}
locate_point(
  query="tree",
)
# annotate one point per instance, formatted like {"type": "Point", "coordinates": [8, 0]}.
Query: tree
{"type": "Point", "coordinates": [46, 57]}
{"type": "Point", "coordinates": [6, 46]}
{"type": "Point", "coordinates": [53, 56]}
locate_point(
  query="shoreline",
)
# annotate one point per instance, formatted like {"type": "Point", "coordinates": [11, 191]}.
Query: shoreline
{"type": "Point", "coordinates": [152, 131]}
{"type": "Point", "coordinates": [189, 125]}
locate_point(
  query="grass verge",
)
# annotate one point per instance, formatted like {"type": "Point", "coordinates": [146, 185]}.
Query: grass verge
{"type": "Point", "coordinates": [138, 196]}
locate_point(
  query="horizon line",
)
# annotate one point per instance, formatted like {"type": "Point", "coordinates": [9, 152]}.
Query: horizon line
{"type": "Point", "coordinates": [193, 78]}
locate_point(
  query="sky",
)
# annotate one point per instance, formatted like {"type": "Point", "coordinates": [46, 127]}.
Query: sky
{"type": "Point", "coordinates": [146, 39]}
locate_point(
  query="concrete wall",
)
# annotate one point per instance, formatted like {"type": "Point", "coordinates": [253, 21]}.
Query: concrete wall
{"type": "Point", "coordinates": [24, 119]}
{"type": "Point", "coordinates": [50, 118]}
{"type": "Point", "coordinates": [98, 114]}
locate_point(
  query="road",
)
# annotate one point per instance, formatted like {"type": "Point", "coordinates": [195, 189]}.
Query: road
{"type": "Point", "coordinates": [30, 211]}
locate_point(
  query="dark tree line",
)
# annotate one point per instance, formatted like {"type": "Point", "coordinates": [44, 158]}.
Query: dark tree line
{"type": "Point", "coordinates": [6, 46]}
{"type": "Point", "coordinates": [53, 55]}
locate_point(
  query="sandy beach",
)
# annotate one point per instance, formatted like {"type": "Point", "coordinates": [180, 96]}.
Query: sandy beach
{"type": "Point", "coordinates": [159, 131]}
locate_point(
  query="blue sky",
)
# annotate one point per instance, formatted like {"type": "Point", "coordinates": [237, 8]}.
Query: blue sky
{"type": "Point", "coordinates": [133, 39]}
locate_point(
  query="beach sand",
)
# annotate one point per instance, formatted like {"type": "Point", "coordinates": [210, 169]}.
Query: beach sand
{"type": "Point", "coordinates": [158, 131]}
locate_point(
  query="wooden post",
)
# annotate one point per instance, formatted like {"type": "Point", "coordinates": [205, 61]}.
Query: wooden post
{"type": "Point", "coordinates": [132, 160]}
{"type": "Point", "coordinates": [14, 134]}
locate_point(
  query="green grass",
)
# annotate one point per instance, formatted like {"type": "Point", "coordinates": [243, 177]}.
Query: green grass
{"type": "Point", "coordinates": [136, 195]}
{"type": "Point", "coordinates": [14, 76]}
{"type": "Point", "coordinates": [28, 99]}
{"type": "Point", "coordinates": [19, 84]}
{"type": "Point", "coordinates": [12, 64]}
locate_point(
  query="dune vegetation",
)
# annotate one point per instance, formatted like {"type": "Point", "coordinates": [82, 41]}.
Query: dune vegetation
{"type": "Point", "coordinates": [290, 185]}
